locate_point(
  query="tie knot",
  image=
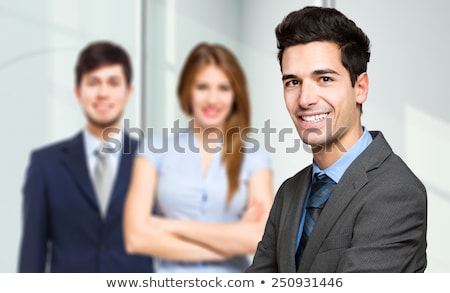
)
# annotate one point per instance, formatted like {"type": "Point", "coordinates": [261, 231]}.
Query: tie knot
{"type": "Point", "coordinates": [321, 190]}
{"type": "Point", "coordinates": [101, 153]}
{"type": "Point", "coordinates": [322, 178]}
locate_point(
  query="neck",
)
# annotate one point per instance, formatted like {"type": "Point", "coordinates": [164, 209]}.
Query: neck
{"type": "Point", "coordinates": [326, 155]}
{"type": "Point", "coordinates": [208, 135]}
{"type": "Point", "coordinates": [102, 132]}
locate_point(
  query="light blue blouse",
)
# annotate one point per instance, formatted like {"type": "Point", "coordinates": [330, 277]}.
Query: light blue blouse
{"type": "Point", "coordinates": [183, 193]}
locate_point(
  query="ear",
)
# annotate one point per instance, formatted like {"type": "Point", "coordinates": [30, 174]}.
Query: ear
{"type": "Point", "coordinates": [76, 90]}
{"type": "Point", "coordinates": [362, 88]}
{"type": "Point", "coordinates": [129, 93]}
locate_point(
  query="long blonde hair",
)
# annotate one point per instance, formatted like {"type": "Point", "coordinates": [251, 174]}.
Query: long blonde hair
{"type": "Point", "coordinates": [239, 119]}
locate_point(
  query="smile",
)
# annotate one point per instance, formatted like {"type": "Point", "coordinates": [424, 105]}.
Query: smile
{"type": "Point", "coordinates": [314, 118]}
{"type": "Point", "coordinates": [211, 112]}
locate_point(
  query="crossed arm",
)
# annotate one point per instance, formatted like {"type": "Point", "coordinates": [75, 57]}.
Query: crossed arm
{"type": "Point", "coordinates": [186, 240]}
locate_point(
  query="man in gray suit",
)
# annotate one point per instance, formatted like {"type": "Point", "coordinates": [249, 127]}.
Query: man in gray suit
{"type": "Point", "coordinates": [370, 213]}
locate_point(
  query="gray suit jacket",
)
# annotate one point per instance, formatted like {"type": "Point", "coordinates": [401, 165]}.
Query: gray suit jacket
{"type": "Point", "coordinates": [375, 220]}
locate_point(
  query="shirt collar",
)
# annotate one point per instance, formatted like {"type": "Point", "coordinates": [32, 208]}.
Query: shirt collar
{"type": "Point", "coordinates": [92, 143]}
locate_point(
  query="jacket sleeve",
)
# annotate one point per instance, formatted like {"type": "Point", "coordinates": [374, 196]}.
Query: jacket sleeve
{"type": "Point", "coordinates": [397, 242]}
{"type": "Point", "coordinates": [35, 234]}
{"type": "Point", "coordinates": [265, 259]}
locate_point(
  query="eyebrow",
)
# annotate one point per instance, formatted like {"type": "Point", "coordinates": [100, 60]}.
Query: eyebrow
{"type": "Point", "coordinates": [325, 71]}
{"type": "Point", "coordinates": [288, 76]}
{"type": "Point", "coordinates": [114, 76]}
{"type": "Point", "coordinates": [315, 72]}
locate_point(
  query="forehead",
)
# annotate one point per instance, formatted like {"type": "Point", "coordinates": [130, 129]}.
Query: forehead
{"type": "Point", "coordinates": [310, 57]}
{"type": "Point", "coordinates": [211, 72]}
{"type": "Point", "coordinates": [106, 71]}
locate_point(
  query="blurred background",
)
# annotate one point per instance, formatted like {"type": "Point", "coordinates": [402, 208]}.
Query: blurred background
{"type": "Point", "coordinates": [40, 40]}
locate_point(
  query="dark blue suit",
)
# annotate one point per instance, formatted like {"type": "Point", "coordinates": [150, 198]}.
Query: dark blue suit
{"type": "Point", "coordinates": [62, 227]}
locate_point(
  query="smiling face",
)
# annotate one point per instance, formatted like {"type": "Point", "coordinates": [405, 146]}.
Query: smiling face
{"type": "Point", "coordinates": [211, 97]}
{"type": "Point", "coordinates": [319, 95]}
{"type": "Point", "coordinates": [103, 94]}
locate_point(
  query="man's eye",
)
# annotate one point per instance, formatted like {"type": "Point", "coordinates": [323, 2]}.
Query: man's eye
{"type": "Point", "coordinates": [293, 82]}
{"type": "Point", "coordinates": [325, 78]}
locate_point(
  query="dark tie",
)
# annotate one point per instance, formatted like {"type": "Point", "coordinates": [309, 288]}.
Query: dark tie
{"type": "Point", "coordinates": [103, 179]}
{"type": "Point", "coordinates": [321, 190]}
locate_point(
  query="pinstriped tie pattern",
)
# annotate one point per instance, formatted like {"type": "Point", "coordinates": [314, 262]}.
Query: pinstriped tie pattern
{"type": "Point", "coordinates": [321, 190]}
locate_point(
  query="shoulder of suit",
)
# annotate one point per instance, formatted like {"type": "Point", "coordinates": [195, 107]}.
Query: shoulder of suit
{"type": "Point", "coordinates": [53, 148]}
{"type": "Point", "coordinates": [293, 180]}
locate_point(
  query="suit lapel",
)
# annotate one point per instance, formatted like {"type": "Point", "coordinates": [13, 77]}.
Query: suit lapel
{"type": "Point", "coordinates": [124, 171]}
{"type": "Point", "coordinates": [74, 158]}
{"type": "Point", "coordinates": [350, 184]}
{"type": "Point", "coordinates": [347, 188]}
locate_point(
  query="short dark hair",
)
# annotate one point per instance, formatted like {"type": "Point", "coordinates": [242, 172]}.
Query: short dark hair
{"type": "Point", "coordinates": [312, 24]}
{"type": "Point", "coordinates": [97, 54]}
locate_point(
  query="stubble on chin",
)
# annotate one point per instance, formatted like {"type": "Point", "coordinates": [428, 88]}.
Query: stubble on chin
{"type": "Point", "coordinates": [104, 123]}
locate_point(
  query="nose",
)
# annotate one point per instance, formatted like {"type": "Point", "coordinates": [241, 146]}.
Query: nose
{"type": "Point", "coordinates": [308, 95]}
{"type": "Point", "coordinates": [103, 91]}
{"type": "Point", "coordinates": [212, 96]}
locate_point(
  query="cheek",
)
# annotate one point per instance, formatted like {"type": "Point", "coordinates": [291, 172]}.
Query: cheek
{"type": "Point", "coordinates": [195, 104]}
{"type": "Point", "coordinates": [229, 100]}
{"type": "Point", "coordinates": [88, 95]}
{"type": "Point", "coordinates": [290, 102]}
{"type": "Point", "coordinates": [122, 97]}
{"type": "Point", "coordinates": [196, 99]}
{"type": "Point", "coordinates": [85, 100]}
{"type": "Point", "coordinates": [291, 94]}
{"type": "Point", "coordinates": [228, 103]}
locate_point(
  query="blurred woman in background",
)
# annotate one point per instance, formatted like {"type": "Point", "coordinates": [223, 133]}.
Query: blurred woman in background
{"type": "Point", "coordinates": [210, 194]}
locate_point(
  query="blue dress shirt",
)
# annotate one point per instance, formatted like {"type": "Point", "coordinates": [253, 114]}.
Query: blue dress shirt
{"type": "Point", "coordinates": [184, 193]}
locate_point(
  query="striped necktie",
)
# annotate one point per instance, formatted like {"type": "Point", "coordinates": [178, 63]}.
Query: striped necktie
{"type": "Point", "coordinates": [321, 190]}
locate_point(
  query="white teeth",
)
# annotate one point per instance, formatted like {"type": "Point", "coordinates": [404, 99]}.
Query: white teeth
{"type": "Point", "coordinates": [314, 118]}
